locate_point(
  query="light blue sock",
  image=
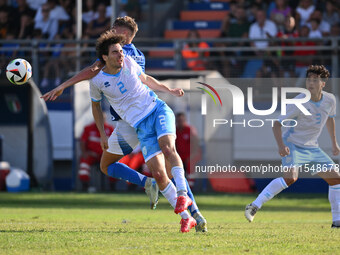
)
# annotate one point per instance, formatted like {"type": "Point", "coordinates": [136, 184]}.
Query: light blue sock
{"type": "Point", "coordinates": [122, 171]}
{"type": "Point", "coordinates": [192, 208]}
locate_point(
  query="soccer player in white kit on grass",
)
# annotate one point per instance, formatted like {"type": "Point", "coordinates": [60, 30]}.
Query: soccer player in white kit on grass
{"type": "Point", "coordinates": [298, 146]}
{"type": "Point", "coordinates": [124, 137]}
{"type": "Point", "coordinates": [122, 81]}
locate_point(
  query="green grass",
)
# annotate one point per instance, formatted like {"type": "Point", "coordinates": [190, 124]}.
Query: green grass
{"type": "Point", "coordinates": [50, 223]}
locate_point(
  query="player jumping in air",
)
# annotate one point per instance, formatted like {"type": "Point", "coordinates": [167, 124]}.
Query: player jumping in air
{"type": "Point", "coordinates": [127, 27]}
{"type": "Point", "coordinates": [122, 81]}
{"type": "Point", "coordinates": [298, 146]}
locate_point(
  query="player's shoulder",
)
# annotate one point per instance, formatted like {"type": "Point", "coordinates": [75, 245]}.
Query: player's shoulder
{"type": "Point", "coordinates": [96, 78]}
{"type": "Point", "coordinates": [140, 52]}
{"type": "Point", "coordinates": [329, 97]}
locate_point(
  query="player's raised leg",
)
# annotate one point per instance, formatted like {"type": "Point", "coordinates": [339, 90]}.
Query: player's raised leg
{"type": "Point", "coordinates": [333, 179]}
{"type": "Point", "coordinates": [156, 164]}
{"type": "Point", "coordinates": [110, 167]}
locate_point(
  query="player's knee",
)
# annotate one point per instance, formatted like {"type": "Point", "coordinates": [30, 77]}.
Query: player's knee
{"type": "Point", "coordinates": [168, 150]}
{"type": "Point", "coordinates": [159, 176]}
{"type": "Point", "coordinates": [290, 180]}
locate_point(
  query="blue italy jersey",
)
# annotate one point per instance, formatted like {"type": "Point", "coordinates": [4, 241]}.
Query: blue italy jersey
{"type": "Point", "coordinates": [135, 54]}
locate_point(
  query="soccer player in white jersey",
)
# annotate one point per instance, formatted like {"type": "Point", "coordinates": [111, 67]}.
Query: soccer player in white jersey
{"type": "Point", "coordinates": [124, 137]}
{"type": "Point", "coordinates": [298, 146]}
{"type": "Point", "coordinates": [122, 81]}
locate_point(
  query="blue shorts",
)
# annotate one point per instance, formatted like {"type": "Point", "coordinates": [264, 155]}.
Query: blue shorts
{"type": "Point", "coordinates": [313, 160]}
{"type": "Point", "coordinates": [159, 123]}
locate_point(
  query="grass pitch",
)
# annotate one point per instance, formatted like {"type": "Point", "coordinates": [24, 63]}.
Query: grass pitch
{"type": "Point", "coordinates": [50, 223]}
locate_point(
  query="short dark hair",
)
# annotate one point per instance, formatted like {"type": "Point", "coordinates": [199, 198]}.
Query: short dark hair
{"type": "Point", "coordinates": [319, 70]}
{"type": "Point", "coordinates": [105, 40]}
{"type": "Point", "coordinates": [126, 22]}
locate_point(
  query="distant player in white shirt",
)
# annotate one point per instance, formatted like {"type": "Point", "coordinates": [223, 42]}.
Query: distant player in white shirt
{"type": "Point", "coordinates": [121, 82]}
{"type": "Point", "coordinates": [299, 147]}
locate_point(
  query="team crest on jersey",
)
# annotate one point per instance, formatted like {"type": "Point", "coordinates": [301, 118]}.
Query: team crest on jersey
{"type": "Point", "coordinates": [144, 151]}
{"type": "Point", "coordinates": [107, 84]}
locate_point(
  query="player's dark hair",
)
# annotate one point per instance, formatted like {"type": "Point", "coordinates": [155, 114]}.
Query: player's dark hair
{"type": "Point", "coordinates": [105, 40]}
{"type": "Point", "coordinates": [126, 22]}
{"type": "Point", "coordinates": [319, 70]}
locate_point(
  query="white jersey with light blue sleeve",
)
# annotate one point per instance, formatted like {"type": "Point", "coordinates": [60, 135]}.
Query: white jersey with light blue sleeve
{"type": "Point", "coordinates": [308, 129]}
{"type": "Point", "coordinates": [125, 92]}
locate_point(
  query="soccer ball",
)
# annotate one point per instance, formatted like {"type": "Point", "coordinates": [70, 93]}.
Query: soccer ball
{"type": "Point", "coordinates": [19, 71]}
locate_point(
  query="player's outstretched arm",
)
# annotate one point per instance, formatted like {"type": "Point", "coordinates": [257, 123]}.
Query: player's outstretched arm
{"type": "Point", "coordinates": [283, 149]}
{"type": "Point", "coordinates": [331, 130]}
{"type": "Point", "coordinates": [154, 84]}
{"type": "Point", "coordinates": [99, 119]}
{"type": "Point", "coordinates": [85, 74]}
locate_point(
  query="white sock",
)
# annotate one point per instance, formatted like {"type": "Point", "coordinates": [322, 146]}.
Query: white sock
{"type": "Point", "coordinates": [271, 190]}
{"type": "Point", "coordinates": [334, 199]}
{"type": "Point", "coordinates": [170, 194]}
{"type": "Point", "coordinates": [178, 174]}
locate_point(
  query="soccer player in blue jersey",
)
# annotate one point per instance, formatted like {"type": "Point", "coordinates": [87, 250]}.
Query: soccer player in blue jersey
{"type": "Point", "coordinates": [127, 27]}
{"type": "Point", "coordinates": [298, 146]}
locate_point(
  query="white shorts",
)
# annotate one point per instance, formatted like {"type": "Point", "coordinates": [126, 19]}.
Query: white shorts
{"type": "Point", "coordinates": [123, 139]}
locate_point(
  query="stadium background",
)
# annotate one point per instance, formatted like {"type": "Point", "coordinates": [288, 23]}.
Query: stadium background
{"type": "Point", "coordinates": [163, 34]}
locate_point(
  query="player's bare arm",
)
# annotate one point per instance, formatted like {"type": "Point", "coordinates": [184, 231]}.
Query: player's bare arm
{"type": "Point", "coordinates": [85, 74]}
{"type": "Point", "coordinates": [331, 130]}
{"type": "Point", "coordinates": [99, 119]}
{"type": "Point", "coordinates": [283, 149]}
{"type": "Point", "coordinates": [154, 84]}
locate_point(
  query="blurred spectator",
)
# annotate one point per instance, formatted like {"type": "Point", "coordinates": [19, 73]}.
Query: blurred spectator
{"type": "Point", "coordinates": [4, 24]}
{"type": "Point", "coordinates": [279, 13]}
{"type": "Point", "coordinates": [235, 28]}
{"type": "Point", "coordinates": [24, 9]}
{"type": "Point", "coordinates": [133, 9]}
{"type": "Point", "coordinates": [303, 12]}
{"type": "Point", "coordinates": [195, 60]}
{"type": "Point", "coordinates": [314, 29]}
{"type": "Point", "coordinates": [254, 7]}
{"type": "Point", "coordinates": [35, 4]}
{"type": "Point", "coordinates": [230, 16]}
{"type": "Point", "coordinates": [26, 27]}
{"type": "Point", "coordinates": [335, 30]}
{"type": "Point", "coordinates": [89, 13]}
{"type": "Point", "coordinates": [67, 59]}
{"type": "Point", "coordinates": [303, 59]}
{"type": "Point", "coordinates": [288, 65]}
{"type": "Point", "coordinates": [12, 54]}
{"type": "Point", "coordinates": [91, 150]}
{"type": "Point", "coordinates": [331, 15]}
{"type": "Point", "coordinates": [262, 29]}
{"type": "Point", "coordinates": [187, 146]}
{"type": "Point", "coordinates": [48, 25]}
{"type": "Point", "coordinates": [67, 5]}
{"type": "Point", "coordinates": [324, 26]}
{"type": "Point", "coordinates": [52, 64]}
{"type": "Point", "coordinates": [56, 12]}
{"type": "Point", "coordinates": [100, 24]}
{"type": "Point", "coordinates": [6, 7]}
{"type": "Point", "coordinates": [60, 60]}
